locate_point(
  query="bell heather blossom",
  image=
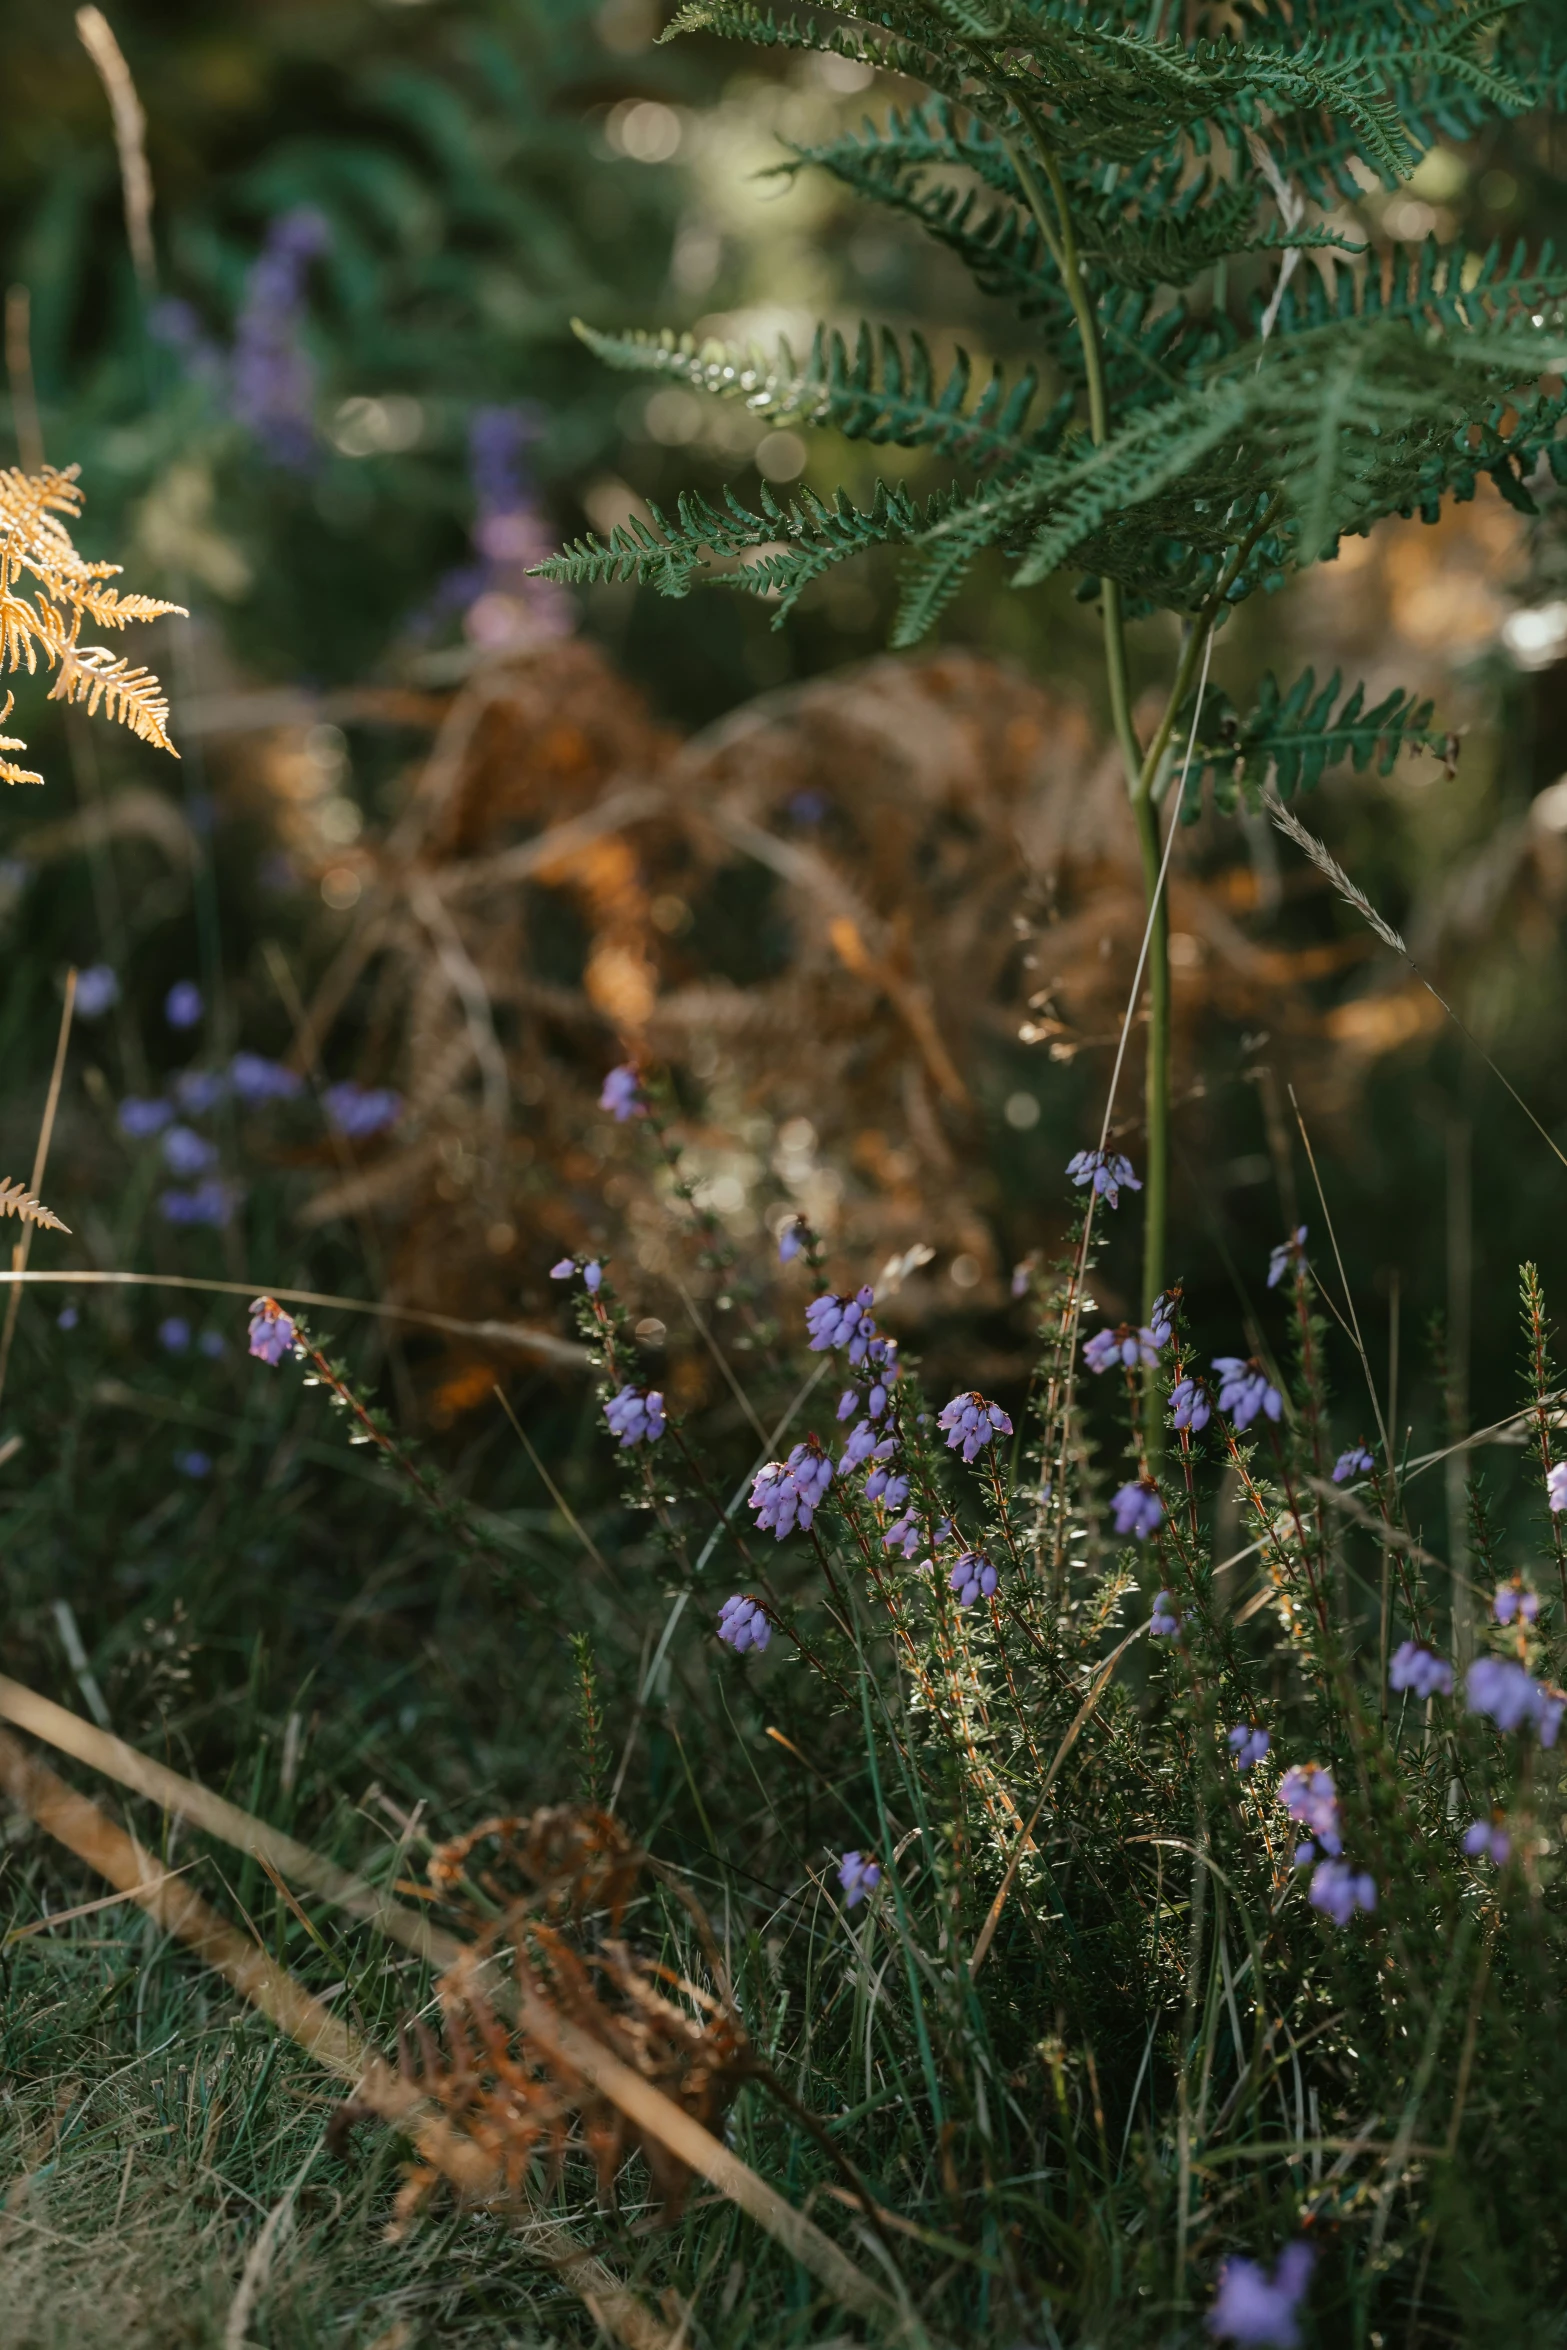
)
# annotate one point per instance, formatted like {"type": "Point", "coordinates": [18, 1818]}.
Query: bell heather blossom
{"type": "Point", "coordinates": [1137, 1509]}
{"type": "Point", "coordinates": [1249, 1745]}
{"type": "Point", "coordinates": [272, 378]}
{"type": "Point", "coordinates": [1165, 1622]}
{"type": "Point", "coordinates": [1245, 1390]}
{"type": "Point", "coordinates": [1514, 1604]}
{"type": "Point", "coordinates": [972, 1578]}
{"type": "Point", "coordinates": [182, 1006]}
{"type": "Point", "coordinates": [792, 1238]}
{"type": "Point", "coordinates": [1308, 1794]}
{"type": "Point", "coordinates": [358, 1111]}
{"type": "Point", "coordinates": [842, 1321]}
{"type": "Point", "coordinates": [174, 1334]}
{"type": "Point", "coordinates": [257, 1080]}
{"type": "Point", "coordinates": [864, 1440]}
{"type": "Point", "coordinates": [593, 1276]}
{"type": "Point", "coordinates": [876, 1401]}
{"type": "Point", "coordinates": [787, 1493]}
{"type": "Point", "coordinates": [742, 1624]}
{"type": "Point", "coordinates": [97, 991]}
{"type": "Point", "coordinates": [1510, 1697]}
{"type": "Point", "coordinates": [563, 1269]}
{"type": "Point", "coordinates": [907, 1534]}
{"type": "Point", "coordinates": [622, 1094]}
{"type": "Point", "coordinates": [272, 1332]}
{"type": "Point", "coordinates": [971, 1423]}
{"type": "Point", "coordinates": [209, 1203]}
{"type": "Point", "coordinates": [1338, 1889]}
{"type": "Point", "coordinates": [888, 1486]}
{"type": "Point", "coordinates": [1291, 1252]}
{"type": "Point", "coordinates": [1256, 2311]}
{"type": "Point", "coordinates": [858, 1876]}
{"type": "Point", "coordinates": [1134, 1348]}
{"type": "Point", "coordinates": [1107, 1171]}
{"type": "Point", "coordinates": [1191, 1406]}
{"type": "Point", "coordinates": [1357, 1462]}
{"type": "Point", "coordinates": [636, 1416]}
{"type": "Point", "coordinates": [139, 1119]}
{"type": "Point", "coordinates": [193, 1462]}
{"type": "Point", "coordinates": [1415, 1667]}
{"type": "Point", "coordinates": [186, 1153]}
{"type": "Point", "coordinates": [1488, 1840]}
{"type": "Point", "coordinates": [1556, 1486]}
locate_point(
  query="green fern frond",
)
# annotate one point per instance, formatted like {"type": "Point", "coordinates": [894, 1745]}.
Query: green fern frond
{"type": "Point", "coordinates": [1294, 738]}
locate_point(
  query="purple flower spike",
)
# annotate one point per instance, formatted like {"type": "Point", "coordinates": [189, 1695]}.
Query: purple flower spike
{"type": "Point", "coordinates": [792, 1238]}
{"type": "Point", "coordinates": [358, 1111]}
{"type": "Point", "coordinates": [593, 1277]}
{"type": "Point", "coordinates": [97, 991]}
{"type": "Point", "coordinates": [257, 1080]}
{"type": "Point", "coordinates": [622, 1094]}
{"type": "Point", "coordinates": [174, 1334]}
{"type": "Point", "coordinates": [1488, 1840]}
{"type": "Point", "coordinates": [182, 1006]}
{"type": "Point", "coordinates": [1137, 1510]}
{"type": "Point", "coordinates": [209, 1203]}
{"type": "Point", "coordinates": [636, 1416]}
{"type": "Point", "coordinates": [788, 1493]}
{"type": "Point", "coordinates": [1257, 2311]}
{"type": "Point", "coordinates": [272, 1332]}
{"type": "Point", "coordinates": [1249, 1745]}
{"type": "Point", "coordinates": [1191, 1406]}
{"type": "Point", "coordinates": [140, 1119]}
{"type": "Point", "coordinates": [186, 1153]}
{"type": "Point", "coordinates": [272, 386]}
{"type": "Point", "coordinates": [1291, 1252]}
{"type": "Point", "coordinates": [858, 1876]}
{"type": "Point", "coordinates": [1513, 1604]}
{"type": "Point", "coordinates": [1165, 1622]}
{"type": "Point", "coordinates": [842, 1321]}
{"type": "Point", "coordinates": [1556, 1486]}
{"type": "Point", "coordinates": [742, 1624]}
{"type": "Point", "coordinates": [972, 1578]}
{"type": "Point", "coordinates": [1308, 1794]}
{"type": "Point", "coordinates": [1245, 1390]}
{"type": "Point", "coordinates": [1107, 1171]}
{"type": "Point", "coordinates": [1511, 1697]}
{"type": "Point", "coordinates": [848, 1403]}
{"type": "Point", "coordinates": [971, 1423]}
{"type": "Point", "coordinates": [1357, 1462]}
{"type": "Point", "coordinates": [564, 1269]}
{"type": "Point", "coordinates": [1414, 1667]}
{"type": "Point", "coordinates": [1338, 1889]}
{"type": "Point", "coordinates": [1135, 1348]}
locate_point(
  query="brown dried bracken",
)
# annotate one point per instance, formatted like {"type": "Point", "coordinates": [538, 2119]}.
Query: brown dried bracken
{"type": "Point", "coordinates": [16, 1200]}
{"type": "Point", "coordinates": [510, 2089]}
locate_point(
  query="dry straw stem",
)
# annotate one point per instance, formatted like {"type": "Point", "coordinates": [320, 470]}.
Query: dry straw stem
{"type": "Point", "coordinates": [79, 1825]}
{"type": "Point", "coordinates": [22, 1201]}
{"type": "Point", "coordinates": [644, 2105]}
{"type": "Point", "coordinates": [130, 139]}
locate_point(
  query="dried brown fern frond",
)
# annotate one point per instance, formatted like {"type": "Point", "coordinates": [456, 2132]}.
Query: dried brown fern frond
{"type": "Point", "coordinates": [572, 1859]}
{"type": "Point", "coordinates": [16, 1200]}
{"type": "Point", "coordinates": [45, 625]}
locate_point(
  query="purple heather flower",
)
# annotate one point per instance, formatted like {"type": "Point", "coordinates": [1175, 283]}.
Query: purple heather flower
{"type": "Point", "coordinates": [199, 1090]}
{"type": "Point", "coordinates": [139, 1119]}
{"type": "Point", "coordinates": [97, 991]}
{"type": "Point", "coordinates": [1338, 1889]}
{"type": "Point", "coordinates": [593, 1276]}
{"type": "Point", "coordinates": [1125, 1345]}
{"type": "Point", "coordinates": [842, 1321]}
{"type": "Point", "coordinates": [358, 1111]}
{"type": "Point", "coordinates": [1488, 1840]}
{"type": "Point", "coordinates": [742, 1624]}
{"type": "Point", "coordinates": [789, 1493]}
{"type": "Point", "coordinates": [906, 1534]}
{"type": "Point", "coordinates": [1304, 1854]}
{"type": "Point", "coordinates": [1513, 1604]}
{"type": "Point", "coordinates": [1256, 2311]}
{"type": "Point", "coordinates": [1357, 1462]}
{"type": "Point", "coordinates": [1022, 1275]}
{"type": "Point", "coordinates": [636, 1416]}
{"type": "Point", "coordinates": [68, 1317]}
{"type": "Point", "coordinates": [972, 1578]}
{"type": "Point", "coordinates": [622, 1094]}
{"type": "Point", "coordinates": [1245, 1390]}
{"type": "Point", "coordinates": [1165, 1622]}
{"type": "Point", "coordinates": [1249, 1745]}
{"type": "Point", "coordinates": [876, 1401]}
{"type": "Point", "coordinates": [888, 1487]}
{"type": "Point", "coordinates": [792, 1238]}
{"type": "Point", "coordinates": [211, 1203]}
{"type": "Point", "coordinates": [1414, 1667]}
{"type": "Point", "coordinates": [272, 1332]}
{"type": "Point", "coordinates": [1556, 1486]}
{"type": "Point", "coordinates": [186, 1153]}
{"type": "Point", "coordinates": [182, 1006]}
{"type": "Point", "coordinates": [1308, 1794]}
{"type": "Point", "coordinates": [563, 1269]}
{"type": "Point", "coordinates": [272, 379]}
{"type": "Point", "coordinates": [193, 1462]}
{"type": "Point", "coordinates": [848, 1403]}
{"type": "Point", "coordinates": [971, 1423]}
{"type": "Point", "coordinates": [213, 1345]}
{"type": "Point", "coordinates": [257, 1080]}
{"type": "Point", "coordinates": [1510, 1697]}
{"type": "Point", "coordinates": [1107, 1171]}
{"type": "Point", "coordinates": [174, 1334]}
{"type": "Point", "coordinates": [1137, 1509]}
{"type": "Point", "coordinates": [858, 1876]}
{"type": "Point", "coordinates": [863, 1442]}
{"type": "Point", "coordinates": [1291, 1252]}
{"type": "Point", "coordinates": [1191, 1406]}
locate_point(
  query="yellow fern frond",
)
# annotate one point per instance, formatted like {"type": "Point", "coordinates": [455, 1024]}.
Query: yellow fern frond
{"type": "Point", "coordinates": [91, 674]}
{"type": "Point", "coordinates": [16, 1200]}
{"type": "Point", "coordinates": [35, 511]}
{"type": "Point", "coordinates": [9, 771]}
